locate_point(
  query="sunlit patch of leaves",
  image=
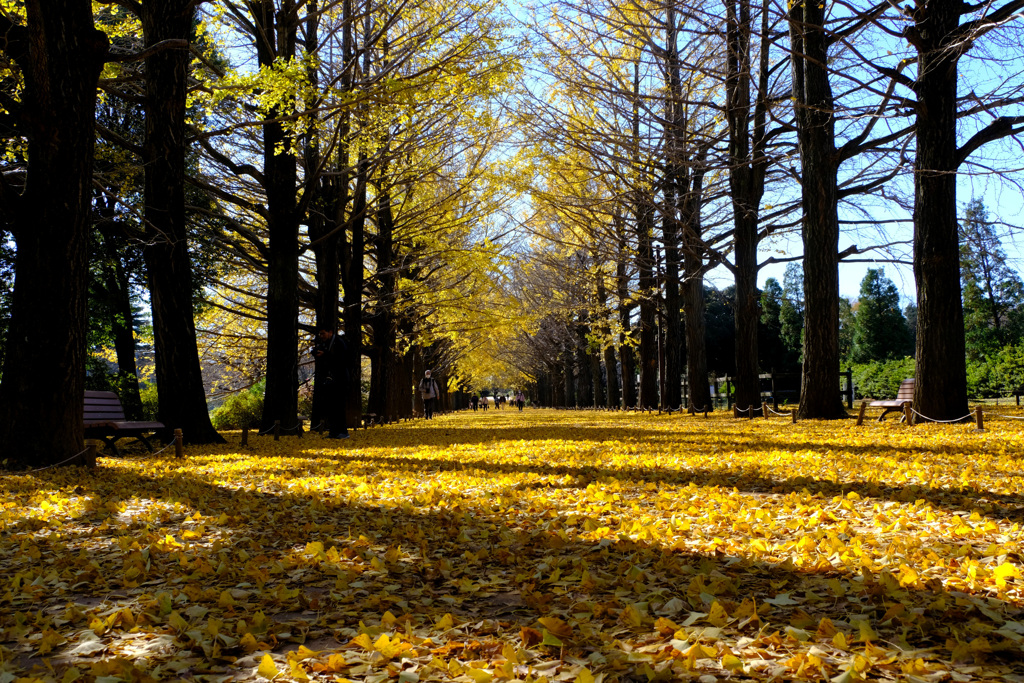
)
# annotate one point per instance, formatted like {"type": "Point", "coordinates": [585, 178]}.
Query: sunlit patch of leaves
{"type": "Point", "coordinates": [543, 545]}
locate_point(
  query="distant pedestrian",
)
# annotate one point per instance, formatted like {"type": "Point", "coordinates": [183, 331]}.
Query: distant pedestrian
{"type": "Point", "coordinates": [429, 393]}
{"type": "Point", "coordinates": [520, 400]}
{"type": "Point", "coordinates": [330, 352]}
{"type": "Point", "coordinates": [475, 401]}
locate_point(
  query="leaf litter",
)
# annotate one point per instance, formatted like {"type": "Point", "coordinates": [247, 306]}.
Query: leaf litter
{"type": "Point", "coordinates": [541, 546]}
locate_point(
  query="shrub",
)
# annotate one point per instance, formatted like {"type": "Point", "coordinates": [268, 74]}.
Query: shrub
{"type": "Point", "coordinates": [998, 375]}
{"type": "Point", "coordinates": [150, 404]}
{"type": "Point", "coordinates": [881, 379]}
{"type": "Point", "coordinates": [240, 410]}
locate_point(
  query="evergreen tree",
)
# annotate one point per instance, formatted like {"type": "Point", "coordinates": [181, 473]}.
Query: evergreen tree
{"type": "Point", "coordinates": [992, 292]}
{"type": "Point", "coordinates": [847, 320]}
{"type": "Point", "coordinates": [879, 329]}
{"type": "Point", "coordinates": [791, 313]}
{"type": "Point", "coordinates": [769, 343]}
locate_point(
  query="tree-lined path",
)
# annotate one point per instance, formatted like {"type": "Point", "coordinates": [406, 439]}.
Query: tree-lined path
{"type": "Point", "coordinates": [543, 545]}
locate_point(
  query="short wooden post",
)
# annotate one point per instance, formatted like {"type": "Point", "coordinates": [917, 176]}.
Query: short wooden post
{"type": "Point", "coordinates": [300, 429]}
{"type": "Point", "coordinates": [89, 457]}
{"type": "Point", "coordinates": [775, 398]}
{"type": "Point", "coordinates": [764, 408]}
{"type": "Point", "coordinates": [245, 436]}
{"type": "Point", "coordinates": [794, 415]}
{"type": "Point", "coordinates": [705, 412]}
{"type": "Point", "coordinates": [860, 415]}
{"type": "Point", "coordinates": [179, 451]}
{"type": "Point", "coordinates": [979, 419]}
{"type": "Point", "coordinates": [908, 414]}
{"type": "Point", "coordinates": [735, 411]}
{"type": "Point", "coordinates": [277, 430]}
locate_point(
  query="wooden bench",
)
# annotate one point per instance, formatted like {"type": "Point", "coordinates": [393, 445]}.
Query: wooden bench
{"type": "Point", "coordinates": [104, 419]}
{"type": "Point", "coordinates": [904, 396]}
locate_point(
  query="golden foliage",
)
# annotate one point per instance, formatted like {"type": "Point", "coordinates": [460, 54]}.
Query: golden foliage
{"type": "Point", "coordinates": [543, 545]}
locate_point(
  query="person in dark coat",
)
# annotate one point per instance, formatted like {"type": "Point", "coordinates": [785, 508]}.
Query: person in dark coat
{"type": "Point", "coordinates": [429, 392]}
{"type": "Point", "coordinates": [332, 376]}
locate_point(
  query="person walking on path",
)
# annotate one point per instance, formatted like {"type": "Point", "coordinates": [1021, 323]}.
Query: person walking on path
{"type": "Point", "coordinates": [332, 377]}
{"type": "Point", "coordinates": [429, 392]}
{"type": "Point", "coordinates": [475, 400]}
{"type": "Point", "coordinates": [520, 400]}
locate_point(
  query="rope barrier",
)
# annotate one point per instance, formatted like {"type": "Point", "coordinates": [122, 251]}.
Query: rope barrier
{"type": "Point", "coordinates": [270, 430]}
{"type": "Point", "coordinates": [775, 412]}
{"type": "Point", "coordinates": [1008, 417]}
{"type": "Point", "coordinates": [925, 417]}
{"type": "Point", "coordinates": [145, 455]}
{"type": "Point", "coordinates": [48, 467]}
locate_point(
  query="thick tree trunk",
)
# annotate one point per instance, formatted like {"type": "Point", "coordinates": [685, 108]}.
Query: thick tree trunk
{"type": "Point", "coordinates": [325, 226]}
{"type": "Point", "coordinates": [613, 396]}
{"type": "Point", "coordinates": [746, 187]}
{"type": "Point", "coordinates": [41, 396]}
{"type": "Point", "coordinates": [558, 385]}
{"type": "Point", "coordinates": [626, 355]}
{"type": "Point", "coordinates": [569, 375]}
{"type": "Point", "coordinates": [940, 392]}
{"type": "Point", "coordinates": [179, 377]}
{"type": "Point", "coordinates": [383, 325]}
{"type": "Point", "coordinates": [819, 390]}
{"type": "Point", "coordinates": [280, 401]}
{"type": "Point", "coordinates": [353, 281]}
{"type": "Point", "coordinates": [648, 305]}
{"type": "Point", "coordinates": [699, 393]}
{"type": "Point", "coordinates": [595, 378]}
{"type": "Point", "coordinates": [675, 172]}
{"type": "Point", "coordinates": [584, 381]}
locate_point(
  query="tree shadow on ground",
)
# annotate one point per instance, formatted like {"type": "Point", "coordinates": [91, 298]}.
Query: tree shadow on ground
{"type": "Point", "coordinates": [500, 573]}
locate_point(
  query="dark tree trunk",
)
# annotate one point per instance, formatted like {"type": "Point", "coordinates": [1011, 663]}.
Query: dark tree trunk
{"type": "Point", "coordinates": [276, 40]}
{"type": "Point", "coordinates": [584, 382]}
{"type": "Point", "coordinates": [558, 385]}
{"type": "Point", "coordinates": [60, 54]}
{"type": "Point", "coordinates": [400, 382]}
{"type": "Point", "coordinates": [746, 186]}
{"type": "Point", "coordinates": [326, 219]}
{"type": "Point", "coordinates": [675, 170]}
{"type": "Point", "coordinates": [569, 375]}
{"type": "Point", "coordinates": [940, 391]}
{"type": "Point", "coordinates": [648, 304]}
{"type": "Point", "coordinates": [626, 355]}
{"type": "Point", "coordinates": [595, 378]}
{"type": "Point", "coordinates": [353, 281]}
{"type": "Point", "coordinates": [611, 370]}
{"type": "Point", "coordinates": [179, 377]}
{"type": "Point", "coordinates": [699, 397]}
{"type": "Point", "coordinates": [383, 324]}
{"type": "Point", "coordinates": [819, 390]}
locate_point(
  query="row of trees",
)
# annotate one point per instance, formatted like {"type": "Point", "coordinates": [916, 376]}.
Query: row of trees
{"type": "Point", "coordinates": [264, 168]}
{"type": "Point", "coordinates": [672, 142]}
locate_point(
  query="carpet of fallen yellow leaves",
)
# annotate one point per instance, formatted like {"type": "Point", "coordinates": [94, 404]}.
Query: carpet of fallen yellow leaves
{"type": "Point", "coordinates": [533, 546]}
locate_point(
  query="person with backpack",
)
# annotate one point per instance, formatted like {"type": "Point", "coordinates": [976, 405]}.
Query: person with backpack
{"type": "Point", "coordinates": [429, 393]}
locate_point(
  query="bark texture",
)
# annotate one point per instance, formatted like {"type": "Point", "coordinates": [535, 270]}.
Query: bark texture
{"type": "Point", "coordinates": [940, 390]}
{"type": "Point", "coordinates": [814, 108]}
{"type": "Point", "coordinates": [60, 54]}
{"type": "Point", "coordinates": [179, 378]}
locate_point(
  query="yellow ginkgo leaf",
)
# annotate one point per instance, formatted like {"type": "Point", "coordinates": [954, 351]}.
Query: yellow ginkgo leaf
{"type": "Point", "coordinates": [267, 668]}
